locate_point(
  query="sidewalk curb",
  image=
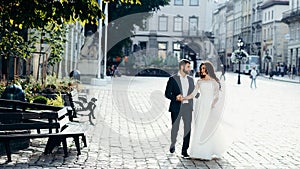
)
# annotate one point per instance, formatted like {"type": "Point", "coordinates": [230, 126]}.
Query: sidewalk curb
{"type": "Point", "coordinates": [289, 81]}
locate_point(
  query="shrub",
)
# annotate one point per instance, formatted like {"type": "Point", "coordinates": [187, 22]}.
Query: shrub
{"type": "Point", "coordinates": [56, 102]}
{"type": "Point", "coordinates": [40, 99]}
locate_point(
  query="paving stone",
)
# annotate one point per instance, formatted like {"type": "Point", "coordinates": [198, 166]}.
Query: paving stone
{"type": "Point", "coordinates": [124, 137]}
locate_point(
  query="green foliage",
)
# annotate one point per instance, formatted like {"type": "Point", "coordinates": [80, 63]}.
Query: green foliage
{"type": "Point", "coordinates": [40, 99]}
{"type": "Point", "coordinates": [171, 60]}
{"type": "Point", "coordinates": [37, 14]}
{"type": "Point", "coordinates": [56, 102]}
{"type": "Point", "coordinates": [13, 44]}
{"type": "Point", "coordinates": [56, 40]}
{"type": "Point", "coordinates": [157, 61]}
{"type": "Point", "coordinates": [48, 17]}
{"type": "Point", "coordinates": [2, 87]}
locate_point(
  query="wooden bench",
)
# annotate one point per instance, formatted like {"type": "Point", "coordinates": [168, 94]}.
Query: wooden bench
{"type": "Point", "coordinates": [17, 117]}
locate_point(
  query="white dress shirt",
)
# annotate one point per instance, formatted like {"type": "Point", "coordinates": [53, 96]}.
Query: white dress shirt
{"type": "Point", "coordinates": [185, 86]}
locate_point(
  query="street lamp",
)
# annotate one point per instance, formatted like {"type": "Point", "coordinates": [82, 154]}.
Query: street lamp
{"type": "Point", "coordinates": [267, 60]}
{"type": "Point", "coordinates": [239, 56]}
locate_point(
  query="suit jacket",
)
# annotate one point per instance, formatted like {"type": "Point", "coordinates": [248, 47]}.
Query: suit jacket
{"type": "Point", "coordinates": [174, 88]}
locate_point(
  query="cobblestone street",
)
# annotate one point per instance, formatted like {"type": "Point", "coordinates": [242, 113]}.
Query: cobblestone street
{"type": "Point", "coordinates": [132, 129]}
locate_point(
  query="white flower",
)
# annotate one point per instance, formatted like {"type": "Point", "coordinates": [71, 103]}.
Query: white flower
{"type": "Point", "coordinates": [236, 53]}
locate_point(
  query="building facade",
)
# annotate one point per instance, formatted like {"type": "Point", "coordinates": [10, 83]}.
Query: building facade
{"type": "Point", "coordinates": [181, 30]}
{"type": "Point", "coordinates": [274, 32]}
{"type": "Point", "coordinates": [229, 32]}
{"type": "Point", "coordinates": [246, 24]}
{"type": "Point", "coordinates": [256, 31]}
{"type": "Point", "coordinates": [219, 31]}
{"type": "Point", "coordinates": [292, 18]}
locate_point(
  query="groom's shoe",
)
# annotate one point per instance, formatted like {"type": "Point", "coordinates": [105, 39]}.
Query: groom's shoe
{"type": "Point", "coordinates": [172, 149]}
{"type": "Point", "coordinates": [185, 154]}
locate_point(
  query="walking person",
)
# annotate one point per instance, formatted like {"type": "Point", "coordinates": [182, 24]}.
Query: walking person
{"type": "Point", "coordinates": [223, 72]}
{"type": "Point", "coordinates": [178, 86]}
{"type": "Point", "coordinates": [253, 76]}
{"type": "Point", "coordinates": [293, 72]}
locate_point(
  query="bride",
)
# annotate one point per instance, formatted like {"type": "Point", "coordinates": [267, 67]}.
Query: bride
{"type": "Point", "coordinates": [207, 138]}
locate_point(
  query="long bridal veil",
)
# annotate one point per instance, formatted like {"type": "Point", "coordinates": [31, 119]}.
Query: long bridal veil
{"type": "Point", "coordinates": [214, 130]}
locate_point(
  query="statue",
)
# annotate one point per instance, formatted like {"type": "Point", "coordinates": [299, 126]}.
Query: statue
{"type": "Point", "coordinates": [89, 50]}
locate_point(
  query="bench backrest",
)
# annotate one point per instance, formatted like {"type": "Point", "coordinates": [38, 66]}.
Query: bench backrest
{"type": "Point", "coordinates": [76, 96]}
{"type": "Point", "coordinates": [16, 104]}
{"type": "Point", "coordinates": [42, 117]}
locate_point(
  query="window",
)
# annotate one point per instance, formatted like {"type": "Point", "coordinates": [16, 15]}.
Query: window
{"type": "Point", "coordinates": [162, 49]}
{"type": "Point", "coordinates": [163, 23]}
{"type": "Point", "coordinates": [178, 24]}
{"type": "Point", "coordinates": [268, 15]}
{"type": "Point", "coordinates": [178, 2]}
{"type": "Point", "coordinates": [265, 16]}
{"type": "Point", "coordinates": [193, 26]}
{"type": "Point", "coordinates": [271, 32]}
{"type": "Point", "coordinates": [272, 14]}
{"type": "Point", "coordinates": [297, 32]}
{"type": "Point", "coordinates": [143, 45]}
{"type": "Point", "coordinates": [194, 2]}
{"type": "Point", "coordinates": [265, 34]}
{"type": "Point", "coordinates": [176, 50]}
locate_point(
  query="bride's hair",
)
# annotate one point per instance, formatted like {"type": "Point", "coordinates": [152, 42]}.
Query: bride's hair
{"type": "Point", "coordinates": [210, 71]}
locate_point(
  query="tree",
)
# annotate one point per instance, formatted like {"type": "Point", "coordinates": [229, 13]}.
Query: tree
{"type": "Point", "coordinates": [47, 17]}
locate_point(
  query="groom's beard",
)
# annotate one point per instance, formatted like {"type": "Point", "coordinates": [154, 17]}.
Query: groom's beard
{"type": "Point", "coordinates": [186, 72]}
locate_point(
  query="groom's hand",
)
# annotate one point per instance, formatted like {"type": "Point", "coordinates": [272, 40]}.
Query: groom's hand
{"type": "Point", "coordinates": [179, 98]}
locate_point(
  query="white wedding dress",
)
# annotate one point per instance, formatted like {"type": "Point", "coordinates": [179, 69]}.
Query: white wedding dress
{"type": "Point", "coordinates": [207, 138]}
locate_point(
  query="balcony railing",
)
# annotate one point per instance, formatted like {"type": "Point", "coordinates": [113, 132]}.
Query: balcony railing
{"type": "Point", "coordinates": [190, 33]}
{"type": "Point", "coordinates": [291, 13]}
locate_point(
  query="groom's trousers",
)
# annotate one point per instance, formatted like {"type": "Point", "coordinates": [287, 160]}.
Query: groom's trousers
{"type": "Point", "coordinates": [186, 115]}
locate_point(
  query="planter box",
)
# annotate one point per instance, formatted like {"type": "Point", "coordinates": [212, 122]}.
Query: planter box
{"type": "Point", "coordinates": [65, 97]}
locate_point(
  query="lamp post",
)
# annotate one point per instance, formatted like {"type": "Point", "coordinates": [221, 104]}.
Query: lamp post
{"type": "Point", "coordinates": [267, 60]}
{"type": "Point", "coordinates": [240, 44]}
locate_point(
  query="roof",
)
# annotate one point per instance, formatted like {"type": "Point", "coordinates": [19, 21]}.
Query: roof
{"type": "Point", "coordinates": [274, 2]}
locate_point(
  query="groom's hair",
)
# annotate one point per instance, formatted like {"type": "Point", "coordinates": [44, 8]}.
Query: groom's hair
{"type": "Point", "coordinates": [183, 62]}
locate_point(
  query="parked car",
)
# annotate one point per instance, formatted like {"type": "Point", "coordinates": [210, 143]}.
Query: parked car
{"type": "Point", "coordinates": [154, 72]}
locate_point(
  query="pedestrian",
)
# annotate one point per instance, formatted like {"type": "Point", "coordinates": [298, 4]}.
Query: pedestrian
{"type": "Point", "coordinates": [253, 76]}
{"type": "Point", "coordinates": [117, 72]}
{"type": "Point", "coordinates": [293, 72]}
{"type": "Point", "coordinates": [112, 70]}
{"type": "Point", "coordinates": [181, 85]}
{"type": "Point", "coordinates": [223, 72]}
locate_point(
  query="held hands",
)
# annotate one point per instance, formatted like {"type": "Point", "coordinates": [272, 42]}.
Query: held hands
{"type": "Point", "coordinates": [180, 98]}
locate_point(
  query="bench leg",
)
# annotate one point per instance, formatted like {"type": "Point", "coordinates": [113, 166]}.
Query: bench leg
{"type": "Point", "coordinates": [7, 149]}
{"type": "Point", "coordinates": [76, 139]}
{"type": "Point", "coordinates": [65, 147]}
{"type": "Point", "coordinates": [70, 114]}
{"type": "Point", "coordinates": [84, 141]}
{"type": "Point", "coordinates": [51, 143]}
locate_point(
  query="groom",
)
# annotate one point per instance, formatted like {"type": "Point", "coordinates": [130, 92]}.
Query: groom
{"type": "Point", "coordinates": [179, 86]}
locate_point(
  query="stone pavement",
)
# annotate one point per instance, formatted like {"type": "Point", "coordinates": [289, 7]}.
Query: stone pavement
{"type": "Point", "coordinates": [132, 129]}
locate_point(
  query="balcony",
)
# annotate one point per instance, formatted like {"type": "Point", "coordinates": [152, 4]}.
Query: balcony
{"type": "Point", "coordinates": [190, 33]}
{"type": "Point", "coordinates": [291, 15]}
